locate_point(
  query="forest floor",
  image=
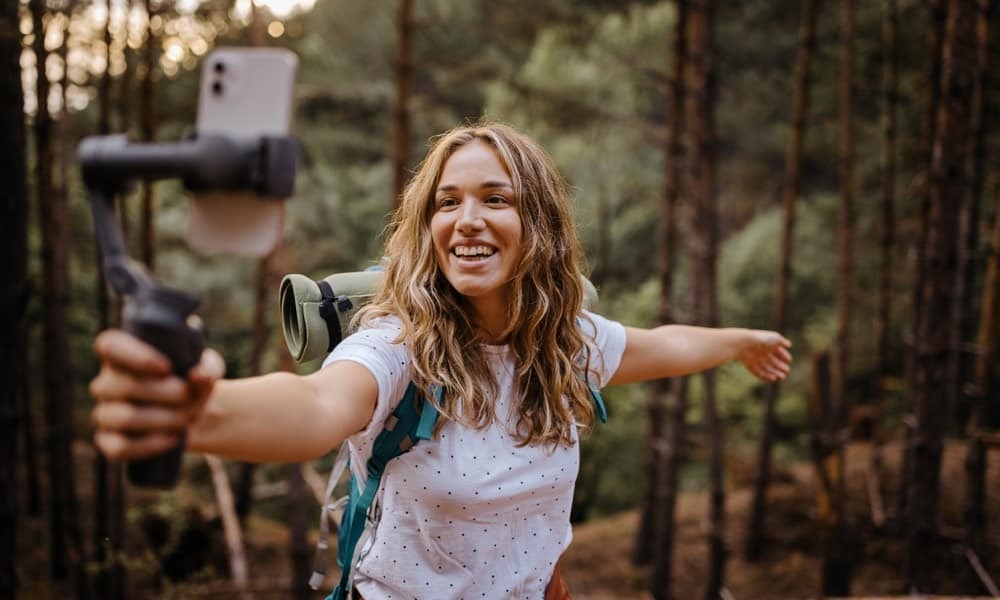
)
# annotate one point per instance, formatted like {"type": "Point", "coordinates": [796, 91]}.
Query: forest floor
{"type": "Point", "coordinates": [597, 565]}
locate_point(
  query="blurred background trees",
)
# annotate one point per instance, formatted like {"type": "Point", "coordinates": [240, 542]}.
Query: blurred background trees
{"type": "Point", "coordinates": [827, 172]}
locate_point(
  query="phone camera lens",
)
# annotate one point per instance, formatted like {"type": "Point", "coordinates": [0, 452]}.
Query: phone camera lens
{"type": "Point", "coordinates": [217, 88]}
{"type": "Point", "coordinates": [220, 67]}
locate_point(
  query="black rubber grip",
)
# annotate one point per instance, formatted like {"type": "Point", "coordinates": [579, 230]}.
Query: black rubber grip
{"type": "Point", "coordinates": [160, 317]}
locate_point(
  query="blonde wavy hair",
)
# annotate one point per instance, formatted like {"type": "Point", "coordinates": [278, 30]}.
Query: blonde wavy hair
{"type": "Point", "coordinates": [552, 360]}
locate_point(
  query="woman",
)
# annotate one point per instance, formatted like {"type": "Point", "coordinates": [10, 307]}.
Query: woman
{"type": "Point", "coordinates": [483, 296]}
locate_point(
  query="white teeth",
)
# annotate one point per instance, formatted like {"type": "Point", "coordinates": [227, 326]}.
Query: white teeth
{"type": "Point", "coordinates": [473, 251]}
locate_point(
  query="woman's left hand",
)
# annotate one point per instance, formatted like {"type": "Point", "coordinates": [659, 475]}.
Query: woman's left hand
{"type": "Point", "coordinates": [766, 355]}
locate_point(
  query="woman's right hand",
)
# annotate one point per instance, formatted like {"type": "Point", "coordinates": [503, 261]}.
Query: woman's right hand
{"type": "Point", "coordinates": [141, 406]}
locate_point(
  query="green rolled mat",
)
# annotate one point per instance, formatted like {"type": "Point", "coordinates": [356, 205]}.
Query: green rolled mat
{"type": "Point", "coordinates": [316, 315]}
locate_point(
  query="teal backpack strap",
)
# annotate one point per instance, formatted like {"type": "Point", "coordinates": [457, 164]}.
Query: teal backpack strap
{"type": "Point", "coordinates": [413, 420]}
{"type": "Point", "coordinates": [599, 408]}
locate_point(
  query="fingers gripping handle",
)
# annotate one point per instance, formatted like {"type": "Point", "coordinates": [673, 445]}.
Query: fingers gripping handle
{"type": "Point", "coordinates": [163, 318]}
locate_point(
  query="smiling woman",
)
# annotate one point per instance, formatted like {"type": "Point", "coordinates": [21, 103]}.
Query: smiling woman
{"type": "Point", "coordinates": [481, 311]}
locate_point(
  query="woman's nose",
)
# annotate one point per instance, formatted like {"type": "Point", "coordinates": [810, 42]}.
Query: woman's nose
{"type": "Point", "coordinates": [470, 217]}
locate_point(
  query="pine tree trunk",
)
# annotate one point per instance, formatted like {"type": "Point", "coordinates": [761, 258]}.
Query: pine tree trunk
{"type": "Point", "coordinates": [837, 563]}
{"type": "Point", "coordinates": [705, 248]}
{"type": "Point", "coordinates": [300, 551]}
{"type": "Point", "coordinates": [149, 126]}
{"type": "Point", "coordinates": [67, 543]}
{"type": "Point", "coordinates": [403, 76]}
{"type": "Point", "coordinates": [790, 195]}
{"type": "Point", "coordinates": [935, 40]}
{"type": "Point", "coordinates": [13, 298]}
{"type": "Point", "coordinates": [989, 331]}
{"type": "Point", "coordinates": [845, 220]}
{"type": "Point", "coordinates": [986, 351]}
{"type": "Point", "coordinates": [649, 544]}
{"type": "Point", "coordinates": [262, 287]}
{"type": "Point", "coordinates": [887, 239]}
{"type": "Point", "coordinates": [666, 497]}
{"type": "Point", "coordinates": [968, 227]}
{"type": "Point", "coordinates": [947, 181]}
{"type": "Point", "coordinates": [108, 477]}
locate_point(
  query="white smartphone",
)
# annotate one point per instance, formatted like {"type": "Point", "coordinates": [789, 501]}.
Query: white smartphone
{"type": "Point", "coordinates": [245, 93]}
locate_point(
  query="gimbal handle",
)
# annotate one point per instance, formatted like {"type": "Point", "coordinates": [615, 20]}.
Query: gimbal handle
{"type": "Point", "coordinates": [159, 315]}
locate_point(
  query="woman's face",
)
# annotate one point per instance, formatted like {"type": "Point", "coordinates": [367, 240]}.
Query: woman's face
{"type": "Point", "coordinates": [476, 228]}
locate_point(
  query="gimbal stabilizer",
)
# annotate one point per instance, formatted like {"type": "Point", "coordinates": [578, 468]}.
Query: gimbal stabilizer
{"type": "Point", "coordinates": [161, 315]}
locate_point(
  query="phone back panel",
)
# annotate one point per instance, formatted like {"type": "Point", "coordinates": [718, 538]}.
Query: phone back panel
{"type": "Point", "coordinates": [244, 92]}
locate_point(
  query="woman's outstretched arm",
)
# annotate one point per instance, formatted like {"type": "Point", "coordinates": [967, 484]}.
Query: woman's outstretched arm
{"type": "Point", "coordinates": [676, 350]}
{"type": "Point", "coordinates": [141, 408]}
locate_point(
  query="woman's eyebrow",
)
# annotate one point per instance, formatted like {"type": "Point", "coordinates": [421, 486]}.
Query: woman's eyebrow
{"type": "Point", "coordinates": [483, 186]}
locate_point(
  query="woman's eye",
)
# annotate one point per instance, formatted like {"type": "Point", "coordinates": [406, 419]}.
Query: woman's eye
{"type": "Point", "coordinates": [446, 202]}
{"type": "Point", "coordinates": [496, 199]}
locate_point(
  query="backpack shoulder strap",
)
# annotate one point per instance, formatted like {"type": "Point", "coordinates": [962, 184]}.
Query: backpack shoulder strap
{"type": "Point", "coordinates": [413, 420]}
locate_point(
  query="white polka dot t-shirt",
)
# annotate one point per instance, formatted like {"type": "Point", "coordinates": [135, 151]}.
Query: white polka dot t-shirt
{"type": "Point", "coordinates": [467, 514]}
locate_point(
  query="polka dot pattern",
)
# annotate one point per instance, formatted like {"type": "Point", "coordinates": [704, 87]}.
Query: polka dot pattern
{"type": "Point", "coordinates": [468, 514]}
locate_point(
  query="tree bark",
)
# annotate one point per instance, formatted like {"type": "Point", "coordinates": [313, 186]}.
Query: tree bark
{"type": "Point", "coordinates": [705, 248]}
{"type": "Point", "coordinates": [890, 92]}
{"type": "Point", "coordinates": [13, 298]}
{"type": "Point", "coordinates": [149, 126]}
{"type": "Point", "coordinates": [65, 537]}
{"type": "Point", "coordinates": [989, 331]}
{"type": "Point", "coordinates": [672, 457]}
{"type": "Point", "coordinates": [968, 226]}
{"type": "Point", "coordinates": [845, 218]}
{"type": "Point", "coordinates": [262, 288]}
{"type": "Point", "coordinates": [947, 181]}
{"type": "Point", "coordinates": [790, 195]}
{"type": "Point", "coordinates": [649, 544]}
{"type": "Point", "coordinates": [403, 76]}
{"type": "Point", "coordinates": [935, 39]}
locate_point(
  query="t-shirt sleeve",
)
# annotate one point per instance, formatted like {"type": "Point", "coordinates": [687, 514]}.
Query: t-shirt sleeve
{"type": "Point", "coordinates": [608, 345]}
{"type": "Point", "coordinates": [389, 363]}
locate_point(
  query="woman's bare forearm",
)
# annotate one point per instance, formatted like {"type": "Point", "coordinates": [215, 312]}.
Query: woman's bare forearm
{"type": "Point", "coordinates": [282, 417]}
{"type": "Point", "coordinates": [677, 350]}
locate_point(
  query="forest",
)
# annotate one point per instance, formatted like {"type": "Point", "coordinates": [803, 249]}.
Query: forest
{"type": "Point", "coordinates": [825, 169]}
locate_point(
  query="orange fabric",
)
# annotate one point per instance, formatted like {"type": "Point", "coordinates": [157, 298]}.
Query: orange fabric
{"type": "Point", "coordinates": [557, 588]}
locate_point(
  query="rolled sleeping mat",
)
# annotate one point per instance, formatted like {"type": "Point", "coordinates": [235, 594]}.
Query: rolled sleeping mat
{"type": "Point", "coordinates": [316, 315]}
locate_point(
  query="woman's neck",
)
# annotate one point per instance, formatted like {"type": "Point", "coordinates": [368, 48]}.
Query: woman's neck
{"type": "Point", "coordinates": [491, 320]}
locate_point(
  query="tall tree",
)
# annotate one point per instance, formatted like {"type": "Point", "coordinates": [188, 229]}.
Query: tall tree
{"type": "Point", "coordinates": [946, 181]}
{"type": "Point", "coordinates": [845, 218]}
{"type": "Point", "coordinates": [65, 537]}
{"type": "Point", "coordinates": [261, 331]}
{"type": "Point", "coordinates": [968, 224]}
{"type": "Point", "coordinates": [704, 253]}
{"type": "Point", "coordinates": [989, 332]}
{"type": "Point", "coordinates": [989, 312]}
{"type": "Point", "coordinates": [403, 76]}
{"type": "Point", "coordinates": [935, 40]}
{"type": "Point", "coordinates": [650, 541]}
{"type": "Point", "coordinates": [108, 477]}
{"type": "Point", "coordinates": [149, 125]}
{"type": "Point", "coordinates": [890, 93]}
{"type": "Point", "coordinates": [837, 561]}
{"type": "Point", "coordinates": [13, 298]}
{"type": "Point", "coordinates": [789, 198]}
